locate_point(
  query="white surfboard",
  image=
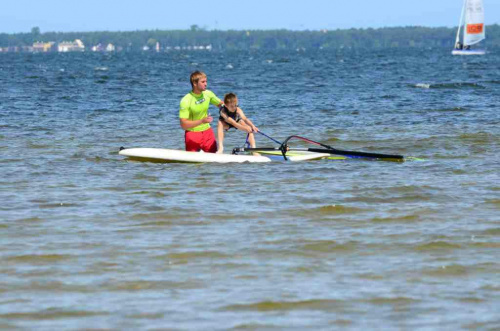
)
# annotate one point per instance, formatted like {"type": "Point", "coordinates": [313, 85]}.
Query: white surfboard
{"type": "Point", "coordinates": [172, 155]}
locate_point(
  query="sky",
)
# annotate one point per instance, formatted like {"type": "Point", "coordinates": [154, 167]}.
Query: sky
{"type": "Point", "coordinates": [130, 15]}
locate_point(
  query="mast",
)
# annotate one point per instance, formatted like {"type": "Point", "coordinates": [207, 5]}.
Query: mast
{"type": "Point", "coordinates": [460, 23]}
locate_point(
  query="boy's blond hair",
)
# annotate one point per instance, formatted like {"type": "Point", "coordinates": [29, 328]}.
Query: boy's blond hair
{"type": "Point", "coordinates": [195, 77]}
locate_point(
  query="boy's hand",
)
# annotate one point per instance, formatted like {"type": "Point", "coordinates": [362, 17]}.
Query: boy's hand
{"type": "Point", "coordinates": [207, 119]}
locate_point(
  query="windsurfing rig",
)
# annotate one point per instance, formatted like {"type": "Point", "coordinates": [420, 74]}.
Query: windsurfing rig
{"type": "Point", "coordinates": [284, 148]}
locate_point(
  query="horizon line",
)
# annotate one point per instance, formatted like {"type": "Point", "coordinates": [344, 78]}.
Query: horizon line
{"type": "Point", "coordinates": [202, 29]}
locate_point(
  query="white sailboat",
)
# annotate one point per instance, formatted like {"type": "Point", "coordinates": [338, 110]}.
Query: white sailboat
{"type": "Point", "coordinates": [472, 19]}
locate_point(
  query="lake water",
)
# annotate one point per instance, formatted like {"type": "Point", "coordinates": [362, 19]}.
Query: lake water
{"type": "Point", "coordinates": [89, 240]}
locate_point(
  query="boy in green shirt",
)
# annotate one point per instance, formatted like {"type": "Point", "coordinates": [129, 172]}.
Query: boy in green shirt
{"type": "Point", "coordinates": [194, 118]}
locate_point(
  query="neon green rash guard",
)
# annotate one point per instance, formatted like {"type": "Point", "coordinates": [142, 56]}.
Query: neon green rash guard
{"type": "Point", "coordinates": [195, 107]}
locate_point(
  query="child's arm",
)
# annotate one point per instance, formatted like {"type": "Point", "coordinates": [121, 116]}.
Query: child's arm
{"type": "Point", "coordinates": [238, 126]}
{"type": "Point", "coordinates": [247, 120]}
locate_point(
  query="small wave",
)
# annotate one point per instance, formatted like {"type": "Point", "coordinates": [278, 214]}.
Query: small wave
{"type": "Point", "coordinates": [448, 85]}
{"type": "Point", "coordinates": [283, 60]}
{"type": "Point", "coordinates": [37, 146]}
{"type": "Point", "coordinates": [30, 219]}
{"type": "Point", "coordinates": [326, 210]}
{"type": "Point", "coordinates": [454, 109]}
{"type": "Point", "coordinates": [146, 316]}
{"type": "Point", "coordinates": [39, 258]}
{"type": "Point", "coordinates": [447, 271]}
{"type": "Point", "coordinates": [164, 218]}
{"type": "Point", "coordinates": [195, 255]}
{"type": "Point", "coordinates": [142, 285]}
{"type": "Point", "coordinates": [478, 137]}
{"type": "Point", "coordinates": [472, 300]}
{"type": "Point", "coordinates": [437, 246]}
{"type": "Point", "coordinates": [255, 326]}
{"type": "Point", "coordinates": [491, 232]}
{"type": "Point", "coordinates": [94, 159]}
{"type": "Point", "coordinates": [52, 314]}
{"type": "Point", "coordinates": [491, 325]}
{"type": "Point", "coordinates": [414, 159]}
{"type": "Point", "coordinates": [337, 209]}
{"type": "Point", "coordinates": [229, 66]}
{"type": "Point", "coordinates": [101, 68]}
{"type": "Point", "coordinates": [402, 219]}
{"type": "Point", "coordinates": [494, 203]}
{"type": "Point", "coordinates": [316, 304]}
{"type": "Point", "coordinates": [371, 276]}
{"type": "Point", "coordinates": [491, 288]}
{"type": "Point", "coordinates": [458, 86]}
{"type": "Point", "coordinates": [14, 301]}
{"type": "Point", "coordinates": [58, 205]}
{"type": "Point", "coordinates": [51, 286]}
{"type": "Point", "coordinates": [146, 177]}
{"type": "Point", "coordinates": [423, 85]}
{"type": "Point", "coordinates": [155, 224]}
{"type": "Point", "coordinates": [394, 301]}
{"type": "Point", "coordinates": [327, 246]}
{"type": "Point", "coordinates": [153, 194]}
{"type": "Point", "coordinates": [486, 245]}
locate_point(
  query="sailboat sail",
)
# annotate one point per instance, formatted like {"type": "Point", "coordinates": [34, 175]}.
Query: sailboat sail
{"type": "Point", "coordinates": [474, 22]}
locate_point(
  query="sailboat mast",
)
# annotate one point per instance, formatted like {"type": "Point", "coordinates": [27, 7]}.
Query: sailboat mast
{"type": "Point", "coordinates": [460, 23]}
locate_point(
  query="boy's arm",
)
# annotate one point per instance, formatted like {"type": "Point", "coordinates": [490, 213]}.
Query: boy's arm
{"type": "Point", "coordinates": [214, 100]}
{"type": "Point", "coordinates": [188, 124]}
{"type": "Point", "coordinates": [238, 126]}
{"type": "Point", "coordinates": [247, 120]}
{"type": "Point", "coordinates": [229, 120]}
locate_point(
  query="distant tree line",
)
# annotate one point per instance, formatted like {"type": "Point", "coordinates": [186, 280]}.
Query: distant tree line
{"type": "Point", "coordinates": [397, 37]}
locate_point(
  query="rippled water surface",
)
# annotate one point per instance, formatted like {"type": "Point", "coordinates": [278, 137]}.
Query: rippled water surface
{"type": "Point", "coordinates": [91, 240]}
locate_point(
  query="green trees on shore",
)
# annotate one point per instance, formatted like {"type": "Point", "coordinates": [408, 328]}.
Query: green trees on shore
{"type": "Point", "coordinates": [397, 37]}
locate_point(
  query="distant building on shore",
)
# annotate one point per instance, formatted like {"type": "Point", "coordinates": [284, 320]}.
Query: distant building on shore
{"type": "Point", "coordinates": [100, 48]}
{"type": "Point", "coordinates": [189, 48]}
{"type": "Point", "coordinates": [71, 46]}
{"type": "Point", "coordinates": [78, 46]}
{"type": "Point", "coordinates": [16, 49]}
{"type": "Point", "coordinates": [44, 47]}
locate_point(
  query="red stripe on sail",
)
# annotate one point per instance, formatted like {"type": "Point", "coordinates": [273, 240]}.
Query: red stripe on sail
{"type": "Point", "coordinates": [475, 28]}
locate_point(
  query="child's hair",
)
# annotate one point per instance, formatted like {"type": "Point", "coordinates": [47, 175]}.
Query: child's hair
{"type": "Point", "coordinates": [229, 97]}
{"type": "Point", "coordinates": [195, 77]}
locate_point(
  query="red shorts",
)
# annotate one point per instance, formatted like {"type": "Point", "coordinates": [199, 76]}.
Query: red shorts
{"type": "Point", "coordinates": [204, 140]}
